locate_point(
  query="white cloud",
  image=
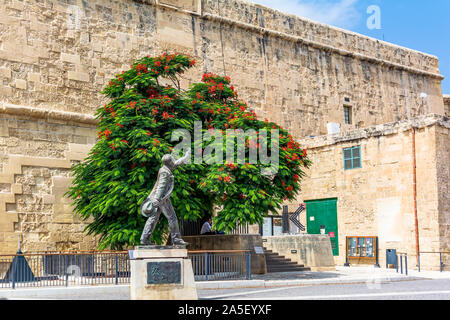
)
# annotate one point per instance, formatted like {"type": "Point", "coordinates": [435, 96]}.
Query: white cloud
{"type": "Point", "coordinates": [340, 13]}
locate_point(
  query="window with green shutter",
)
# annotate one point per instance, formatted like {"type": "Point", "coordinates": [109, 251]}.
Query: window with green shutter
{"type": "Point", "coordinates": [352, 158]}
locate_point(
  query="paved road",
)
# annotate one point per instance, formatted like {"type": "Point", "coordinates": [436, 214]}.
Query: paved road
{"type": "Point", "coordinates": [383, 288]}
{"type": "Point", "coordinates": [399, 290]}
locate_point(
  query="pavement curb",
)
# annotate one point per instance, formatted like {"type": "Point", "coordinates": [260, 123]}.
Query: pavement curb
{"type": "Point", "coordinates": [122, 290]}
{"type": "Point", "coordinates": [293, 283]}
{"type": "Point", "coordinates": [63, 292]}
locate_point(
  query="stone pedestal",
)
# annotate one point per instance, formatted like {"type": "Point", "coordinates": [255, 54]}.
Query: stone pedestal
{"type": "Point", "coordinates": [161, 273]}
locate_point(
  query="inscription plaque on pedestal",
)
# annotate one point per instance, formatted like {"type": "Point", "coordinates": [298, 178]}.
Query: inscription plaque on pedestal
{"type": "Point", "coordinates": [164, 272]}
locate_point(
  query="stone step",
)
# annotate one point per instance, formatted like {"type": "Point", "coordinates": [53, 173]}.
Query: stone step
{"type": "Point", "coordinates": [287, 266]}
{"type": "Point", "coordinates": [277, 258]}
{"type": "Point", "coordinates": [274, 255]}
{"type": "Point", "coordinates": [277, 263]}
{"type": "Point", "coordinates": [290, 269]}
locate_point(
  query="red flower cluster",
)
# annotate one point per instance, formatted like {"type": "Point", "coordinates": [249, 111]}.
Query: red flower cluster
{"type": "Point", "coordinates": [231, 166]}
{"type": "Point", "coordinates": [293, 157]}
{"type": "Point", "coordinates": [209, 77]}
{"type": "Point", "coordinates": [132, 104]}
{"type": "Point", "coordinates": [106, 133]}
{"type": "Point", "coordinates": [141, 68]}
{"type": "Point", "coordinates": [166, 116]}
{"type": "Point", "coordinates": [226, 179]}
{"type": "Point", "coordinates": [108, 109]}
{"type": "Point", "coordinates": [164, 100]}
{"type": "Point", "coordinates": [114, 82]}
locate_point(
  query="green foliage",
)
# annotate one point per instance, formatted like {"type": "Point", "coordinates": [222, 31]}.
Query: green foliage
{"type": "Point", "coordinates": [135, 131]}
{"type": "Point", "coordinates": [244, 194]}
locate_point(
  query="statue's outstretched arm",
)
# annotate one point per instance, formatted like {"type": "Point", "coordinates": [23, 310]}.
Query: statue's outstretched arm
{"type": "Point", "coordinates": [184, 159]}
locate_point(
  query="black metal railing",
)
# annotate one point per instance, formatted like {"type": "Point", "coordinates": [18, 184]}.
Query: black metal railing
{"type": "Point", "coordinates": [221, 265]}
{"type": "Point", "coordinates": [240, 229]}
{"type": "Point", "coordinates": [57, 269]}
{"type": "Point", "coordinates": [64, 269]}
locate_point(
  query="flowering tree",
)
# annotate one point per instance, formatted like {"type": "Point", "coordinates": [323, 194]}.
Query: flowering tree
{"type": "Point", "coordinates": [135, 131]}
{"type": "Point", "coordinates": [246, 191]}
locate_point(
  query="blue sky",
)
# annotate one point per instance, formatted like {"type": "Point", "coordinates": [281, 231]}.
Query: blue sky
{"type": "Point", "coordinates": [417, 24]}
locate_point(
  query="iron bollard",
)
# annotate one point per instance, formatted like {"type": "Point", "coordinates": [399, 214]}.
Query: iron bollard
{"type": "Point", "coordinates": [441, 265]}
{"type": "Point", "coordinates": [401, 263]}
{"type": "Point", "coordinates": [396, 263]}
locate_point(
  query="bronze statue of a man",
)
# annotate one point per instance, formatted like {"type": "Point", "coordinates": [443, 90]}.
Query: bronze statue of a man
{"type": "Point", "coordinates": [159, 200]}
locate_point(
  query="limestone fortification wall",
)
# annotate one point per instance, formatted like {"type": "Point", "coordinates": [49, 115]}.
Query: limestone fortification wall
{"type": "Point", "coordinates": [377, 200]}
{"type": "Point", "coordinates": [59, 54]}
{"type": "Point", "coordinates": [55, 57]}
{"type": "Point", "coordinates": [36, 155]}
{"type": "Point", "coordinates": [443, 169]}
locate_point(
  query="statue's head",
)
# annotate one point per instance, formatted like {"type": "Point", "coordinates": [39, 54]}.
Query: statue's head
{"type": "Point", "coordinates": [169, 161]}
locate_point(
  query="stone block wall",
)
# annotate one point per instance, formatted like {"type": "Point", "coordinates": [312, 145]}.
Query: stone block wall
{"type": "Point", "coordinates": [58, 55]}
{"type": "Point", "coordinates": [447, 105]}
{"type": "Point", "coordinates": [36, 155]}
{"type": "Point", "coordinates": [443, 179]}
{"type": "Point", "coordinates": [55, 57]}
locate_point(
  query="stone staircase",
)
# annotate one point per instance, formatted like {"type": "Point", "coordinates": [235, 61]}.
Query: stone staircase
{"type": "Point", "coordinates": [277, 263]}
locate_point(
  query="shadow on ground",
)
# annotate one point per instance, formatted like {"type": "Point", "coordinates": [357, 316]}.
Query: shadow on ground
{"type": "Point", "coordinates": [299, 275]}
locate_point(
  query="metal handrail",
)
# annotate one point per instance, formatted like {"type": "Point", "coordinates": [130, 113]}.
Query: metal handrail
{"type": "Point", "coordinates": [441, 264]}
{"type": "Point", "coordinates": [63, 253]}
{"type": "Point", "coordinates": [60, 269]}
{"type": "Point", "coordinates": [221, 264]}
{"type": "Point", "coordinates": [109, 267]}
{"type": "Point", "coordinates": [435, 252]}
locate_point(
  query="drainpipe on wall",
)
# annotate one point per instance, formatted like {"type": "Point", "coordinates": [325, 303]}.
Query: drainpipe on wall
{"type": "Point", "coordinates": [416, 222]}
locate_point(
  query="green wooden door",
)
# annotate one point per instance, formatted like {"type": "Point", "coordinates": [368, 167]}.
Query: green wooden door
{"type": "Point", "coordinates": [323, 213]}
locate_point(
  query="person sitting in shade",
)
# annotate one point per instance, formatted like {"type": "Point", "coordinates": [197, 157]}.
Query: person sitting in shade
{"type": "Point", "coordinates": [206, 228]}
